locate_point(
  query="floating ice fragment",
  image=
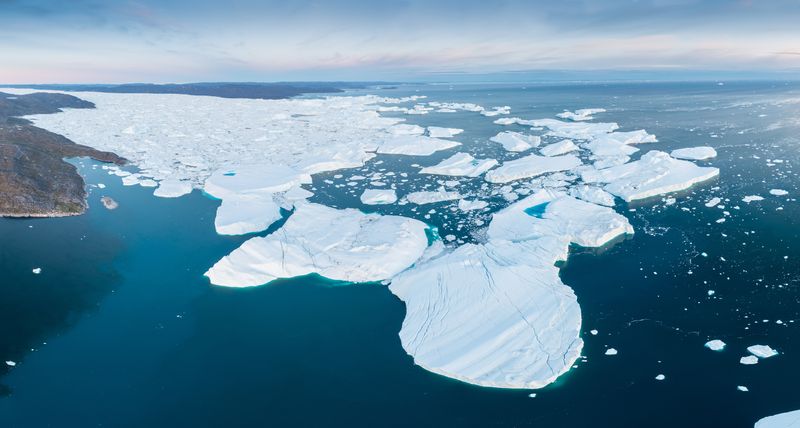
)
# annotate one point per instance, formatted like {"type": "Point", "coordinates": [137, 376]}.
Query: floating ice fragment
{"type": "Point", "coordinates": [36, 271]}
{"type": "Point", "coordinates": [715, 345]}
{"type": "Point", "coordinates": [460, 165]}
{"type": "Point", "coordinates": [345, 245]}
{"type": "Point", "coordinates": [713, 202]}
{"type": "Point", "coordinates": [660, 377]}
{"type": "Point", "coordinates": [378, 196]}
{"type": "Point", "coordinates": [611, 351]}
{"type": "Point", "coordinates": [581, 114]}
{"type": "Point", "coordinates": [762, 351]}
{"type": "Point", "coordinates": [11, 363]}
{"type": "Point", "coordinates": [694, 153]}
{"type": "Point", "coordinates": [742, 388]}
{"type": "Point", "coordinates": [414, 145]}
{"type": "Point", "coordinates": [749, 360]}
{"type": "Point", "coordinates": [778, 192]}
{"type": "Point", "coordinates": [172, 188]}
{"type": "Point", "coordinates": [421, 198]}
{"type": "Point", "coordinates": [592, 194]}
{"type": "Point", "coordinates": [516, 142]}
{"type": "Point", "coordinates": [752, 198]}
{"type": "Point", "coordinates": [531, 166]}
{"type": "Point", "coordinates": [559, 148]}
{"type": "Point", "coordinates": [467, 205]}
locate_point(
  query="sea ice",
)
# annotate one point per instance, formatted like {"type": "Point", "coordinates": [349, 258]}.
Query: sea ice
{"type": "Point", "coordinates": [516, 142]}
{"type": "Point", "coordinates": [782, 420]}
{"type": "Point", "coordinates": [694, 153]}
{"type": "Point", "coordinates": [752, 198]}
{"type": "Point", "coordinates": [378, 196]}
{"type": "Point", "coordinates": [715, 345]}
{"type": "Point", "coordinates": [559, 148]}
{"type": "Point", "coordinates": [611, 351]}
{"type": "Point", "coordinates": [778, 192]}
{"type": "Point", "coordinates": [441, 195]}
{"type": "Point", "coordinates": [36, 271]}
{"type": "Point", "coordinates": [345, 245]}
{"type": "Point", "coordinates": [581, 114]}
{"type": "Point", "coordinates": [467, 205]}
{"type": "Point", "coordinates": [414, 145]}
{"type": "Point", "coordinates": [574, 130]}
{"type": "Point", "coordinates": [655, 173]}
{"type": "Point", "coordinates": [748, 360]}
{"type": "Point", "coordinates": [713, 202]}
{"type": "Point", "coordinates": [592, 194]}
{"type": "Point", "coordinates": [172, 188]}
{"type": "Point", "coordinates": [439, 132]}
{"type": "Point", "coordinates": [531, 166]}
{"type": "Point", "coordinates": [461, 165]}
{"type": "Point", "coordinates": [762, 351]}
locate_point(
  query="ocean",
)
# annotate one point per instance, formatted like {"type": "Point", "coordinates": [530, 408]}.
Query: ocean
{"type": "Point", "coordinates": [121, 328]}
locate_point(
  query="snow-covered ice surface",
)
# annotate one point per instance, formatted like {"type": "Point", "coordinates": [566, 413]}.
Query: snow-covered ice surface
{"type": "Point", "coordinates": [485, 305]}
{"type": "Point", "coordinates": [762, 351]}
{"type": "Point", "coordinates": [782, 420]}
{"type": "Point", "coordinates": [694, 153]}
{"type": "Point", "coordinates": [715, 345]}
{"type": "Point", "coordinates": [345, 245]}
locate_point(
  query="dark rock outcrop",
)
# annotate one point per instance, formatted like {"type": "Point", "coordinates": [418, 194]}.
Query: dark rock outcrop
{"type": "Point", "coordinates": [35, 181]}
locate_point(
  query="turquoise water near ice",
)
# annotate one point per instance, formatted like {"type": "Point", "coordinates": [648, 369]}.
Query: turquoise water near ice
{"type": "Point", "coordinates": [121, 328]}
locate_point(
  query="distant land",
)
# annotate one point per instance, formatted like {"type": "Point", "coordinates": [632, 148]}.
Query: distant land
{"type": "Point", "coordinates": [250, 90]}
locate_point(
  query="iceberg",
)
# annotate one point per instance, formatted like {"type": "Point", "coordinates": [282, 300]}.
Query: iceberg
{"type": "Point", "coordinates": [246, 213]}
{"type": "Point", "coordinates": [592, 194]}
{"type": "Point", "coordinates": [560, 148]}
{"type": "Point", "coordinates": [516, 142]}
{"type": "Point", "coordinates": [781, 420]}
{"type": "Point", "coordinates": [694, 153]}
{"type": "Point", "coordinates": [752, 198]}
{"type": "Point", "coordinates": [414, 145]}
{"type": "Point", "coordinates": [715, 345]}
{"type": "Point", "coordinates": [574, 130]}
{"type": "Point", "coordinates": [762, 351]}
{"type": "Point", "coordinates": [748, 360]}
{"type": "Point", "coordinates": [422, 198]}
{"type": "Point", "coordinates": [655, 173]}
{"type": "Point", "coordinates": [778, 192]}
{"type": "Point", "coordinates": [439, 132]}
{"type": "Point", "coordinates": [581, 114]}
{"type": "Point", "coordinates": [172, 188]}
{"type": "Point", "coordinates": [467, 205]}
{"type": "Point", "coordinates": [461, 165]}
{"type": "Point", "coordinates": [346, 245]}
{"type": "Point", "coordinates": [378, 196]}
{"type": "Point", "coordinates": [531, 166]}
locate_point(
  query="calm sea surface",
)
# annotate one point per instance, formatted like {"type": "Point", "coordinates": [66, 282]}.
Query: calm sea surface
{"type": "Point", "coordinates": [122, 329]}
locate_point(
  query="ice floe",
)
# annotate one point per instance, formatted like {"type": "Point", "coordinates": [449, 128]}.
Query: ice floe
{"type": "Point", "coordinates": [531, 166]}
{"type": "Point", "coordinates": [461, 165]}
{"type": "Point", "coordinates": [655, 173]}
{"type": "Point", "coordinates": [378, 196]}
{"type": "Point", "coordinates": [346, 245]}
{"type": "Point", "coordinates": [782, 420]}
{"type": "Point", "coordinates": [414, 145]}
{"type": "Point", "coordinates": [172, 188]}
{"type": "Point", "coordinates": [581, 114]}
{"type": "Point", "coordinates": [559, 148]}
{"type": "Point", "coordinates": [592, 194]}
{"type": "Point", "coordinates": [748, 360]}
{"type": "Point", "coordinates": [439, 132]}
{"type": "Point", "coordinates": [516, 142]}
{"type": "Point", "coordinates": [694, 153]}
{"type": "Point", "coordinates": [715, 345]}
{"type": "Point", "coordinates": [778, 192]}
{"type": "Point", "coordinates": [441, 195]}
{"type": "Point", "coordinates": [762, 351]}
{"type": "Point", "coordinates": [752, 198]}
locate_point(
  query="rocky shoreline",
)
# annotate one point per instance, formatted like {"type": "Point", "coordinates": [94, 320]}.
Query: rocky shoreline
{"type": "Point", "coordinates": [35, 181]}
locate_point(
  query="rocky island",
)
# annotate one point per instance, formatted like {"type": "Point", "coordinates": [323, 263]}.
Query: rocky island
{"type": "Point", "coordinates": [35, 181]}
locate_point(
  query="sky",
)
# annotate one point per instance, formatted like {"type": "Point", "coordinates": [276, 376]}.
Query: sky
{"type": "Point", "coordinates": [91, 41]}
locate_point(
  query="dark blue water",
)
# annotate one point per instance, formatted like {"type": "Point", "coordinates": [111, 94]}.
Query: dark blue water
{"type": "Point", "coordinates": [121, 328]}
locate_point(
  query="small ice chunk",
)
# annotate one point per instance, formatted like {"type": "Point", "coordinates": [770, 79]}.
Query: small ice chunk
{"type": "Point", "coordinates": [762, 351]}
{"type": "Point", "coordinates": [752, 198]}
{"type": "Point", "coordinates": [743, 389]}
{"type": "Point", "coordinates": [441, 195]}
{"type": "Point", "coordinates": [694, 153]}
{"type": "Point", "coordinates": [467, 205]}
{"type": "Point", "coordinates": [36, 271]}
{"type": "Point", "coordinates": [11, 363]}
{"type": "Point", "coordinates": [611, 351]}
{"type": "Point", "coordinates": [713, 202]}
{"type": "Point", "coordinates": [749, 360]}
{"type": "Point", "coordinates": [715, 345]}
{"type": "Point", "coordinates": [414, 145]}
{"type": "Point", "coordinates": [593, 332]}
{"type": "Point", "coordinates": [516, 142]}
{"type": "Point", "coordinates": [660, 377]}
{"type": "Point", "coordinates": [778, 192]}
{"type": "Point", "coordinates": [378, 196]}
{"type": "Point", "coordinates": [439, 132]}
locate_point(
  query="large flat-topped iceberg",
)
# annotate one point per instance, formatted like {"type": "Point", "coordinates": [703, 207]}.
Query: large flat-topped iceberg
{"type": "Point", "coordinates": [575, 130]}
{"type": "Point", "coordinates": [531, 166]}
{"type": "Point", "coordinates": [782, 420]}
{"type": "Point", "coordinates": [549, 213]}
{"type": "Point", "coordinates": [461, 165]}
{"type": "Point", "coordinates": [655, 173]}
{"type": "Point", "coordinates": [414, 145]}
{"type": "Point", "coordinates": [560, 148]}
{"type": "Point", "coordinates": [492, 315]}
{"type": "Point", "coordinates": [516, 142]}
{"type": "Point", "coordinates": [345, 245]}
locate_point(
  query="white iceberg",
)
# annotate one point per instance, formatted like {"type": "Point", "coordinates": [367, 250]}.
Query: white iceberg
{"type": "Point", "coordinates": [172, 188]}
{"type": "Point", "coordinates": [778, 192]}
{"type": "Point", "coordinates": [246, 213]}
{"type": "Point", "coordinates": [782, 420]}
{"type": "Point", "coordinates": [748, 360]}
{"type": "Point", "coordinates": [461, 165]}
{"type": "Point", "coordinates": [346, 245]}
{"type": "Point", "coordinates": [414, 145]}
{"type": "Point", "coordinates": [752, 198]}
{"type": "Point", "coordinates": [592, 194]}
{"type": "Point", "coordinates": [762, 351]}
{"type": "Point", "coordinates": [531, 166]}
{"type": "Point", "coordinates": [694, 153]}
{"type": "Point", "coordinates": [560, 148]}
{"type": "Point", "coordinates": [713, 202]}
{"type": "Point", "coordinates": [441, 195]}
{"type": "Point", "coordinates": [467, 205]}
{"type": "Point", "coordinates": [655, 173]}
{"type": "Point", "coordinates": [715, 345]}
{"type": "Point", "coordinates": [516, 142]}
{"type": "Point", "coordinates": [439, 132]}
{"type": "Point", "coordinates": [378, 196]}
{"type": "Point", "coordinates": [574, 130]}
{"type": "Point", "coordinates": [581, 114]}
